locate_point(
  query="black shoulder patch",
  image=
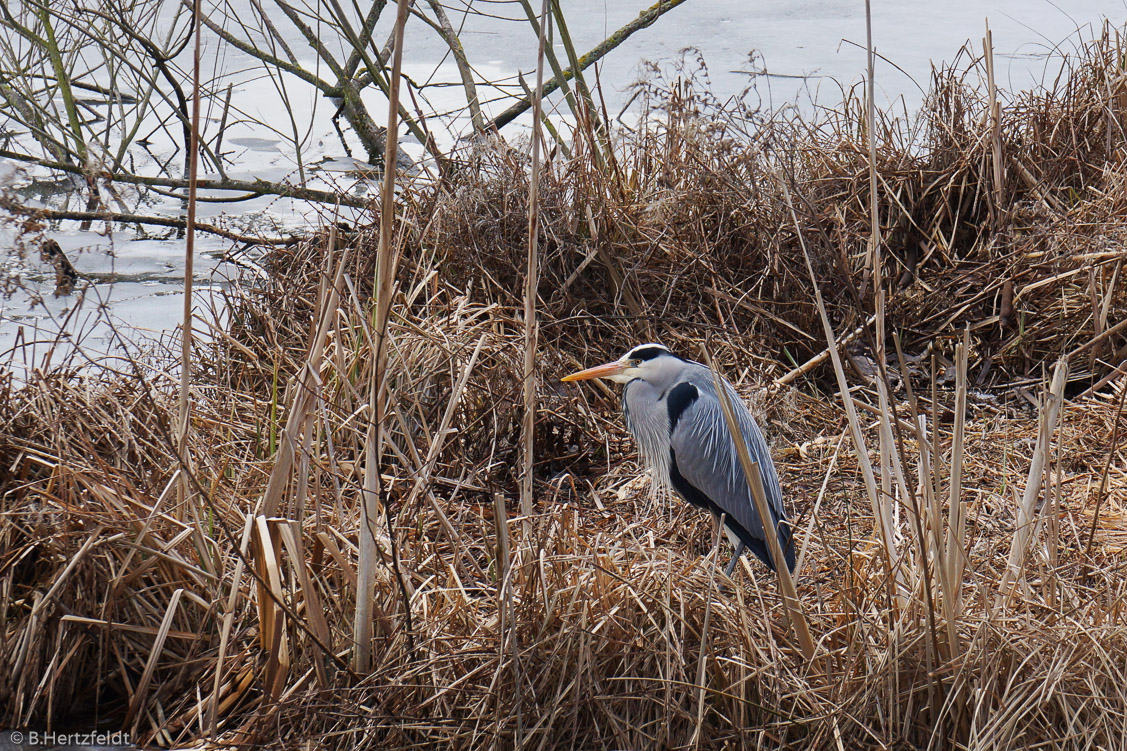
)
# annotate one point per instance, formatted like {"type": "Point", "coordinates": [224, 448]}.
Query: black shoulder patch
{"type": "Point", "coordinates": [648, 353]}
{"type": "Point", "coordinates": [679, 399]}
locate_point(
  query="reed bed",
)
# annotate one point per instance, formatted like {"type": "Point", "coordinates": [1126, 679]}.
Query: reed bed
{"type": "Point", "coordinates": [600, 619]}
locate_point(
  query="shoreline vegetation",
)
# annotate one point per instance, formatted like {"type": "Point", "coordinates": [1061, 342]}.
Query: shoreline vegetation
{"type": "Point", "coordinates": [962, 575]}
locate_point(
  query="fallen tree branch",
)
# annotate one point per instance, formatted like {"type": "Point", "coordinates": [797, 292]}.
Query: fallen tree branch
{"type": "Point", "coordinates": [645, 18]}
{"type": "Point", "coordinates": [117, 216]}
{"type": "Point", "coordinates": [253, 188]}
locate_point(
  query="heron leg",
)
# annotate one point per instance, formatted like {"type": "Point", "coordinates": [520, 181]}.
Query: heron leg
{"type": "Point", "coordinates": [735, 559]}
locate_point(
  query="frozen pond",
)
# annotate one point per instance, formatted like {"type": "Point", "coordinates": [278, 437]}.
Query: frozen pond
{"type": "Point", "coordinates": [808, 49]}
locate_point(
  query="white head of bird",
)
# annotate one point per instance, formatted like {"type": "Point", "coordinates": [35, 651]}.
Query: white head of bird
{"type": "Point", "coordinates": [674, 412]}
{"type": "Point", "coordinates": [651, 362]}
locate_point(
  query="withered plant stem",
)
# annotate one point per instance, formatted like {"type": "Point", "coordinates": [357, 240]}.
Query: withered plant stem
{"type": "Point", "coordinates": [301, 401]}
{"type": "Point", "coordinates": [184, 424]}
{"type": "Point", "coordinates": [885, 441]}
{"type": "Point", "coordinates": [882, 514]}
{"type": "Point", "coordinates": [1025, 518]}
{"type": "Point", "coordinates": [1103, 486]}
{"type": "Point", "coordinates": [791, 603]}
{"type": "Point", "coordinates": [374, 502]}
{"type": "Point", "coordinates": [995, 114]}
{"type": "Point", "coordinates": [531, 284]}
{"type": "Point", "coordinates": [955, 552]}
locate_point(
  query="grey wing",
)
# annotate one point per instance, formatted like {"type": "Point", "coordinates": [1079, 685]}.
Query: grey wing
{"type": "Point", "coordinates": [705, 457]}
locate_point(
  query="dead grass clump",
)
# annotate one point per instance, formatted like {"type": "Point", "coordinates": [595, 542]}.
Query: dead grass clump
{"type": "Point", "coordinates": [685, 232]}
{"type": "Point", "coordinates": [602, 644]}
{"type": "Point", "coordinates": [95, 559]}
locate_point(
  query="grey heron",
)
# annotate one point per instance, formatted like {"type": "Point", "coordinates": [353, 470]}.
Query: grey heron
{"type": "Point", "coordinates": [674, 413]}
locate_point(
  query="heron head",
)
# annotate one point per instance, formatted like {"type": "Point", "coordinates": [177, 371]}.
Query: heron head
{"type": "Point", "coordinates": [644, 361]}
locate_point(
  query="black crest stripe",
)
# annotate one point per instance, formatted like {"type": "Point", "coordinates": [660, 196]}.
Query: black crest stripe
{"type": "Point", "coordinates": [648, 353]}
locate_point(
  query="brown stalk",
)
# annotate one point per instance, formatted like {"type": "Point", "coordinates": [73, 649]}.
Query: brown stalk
{"type": "Point", "coordinates": [1026, 511]}
{"type": "Point", "coordinates": [532, 283]}
{"type": "Point", "coordinates": [929, 518]}
{"type": "Point", "coordinates": [791, 603]}
{"type": "Point", "coordinates": [225, 631]}
{"type": "Point", "coordinates": [273, 637]}
{"type": "Point", "coordinates": [1103, 486]}
{"type": "Point", "coordinates": [299, 564]}
{"type": "Point", "coordinates": [882, 514]}
{"type": "Point", "coordinates": [143, 684]}
{"type": "Point", "coordinates": [712, 562]}
{"type": "Point", "coordinates": [183, 425]}
{"type": "Point", "coordinates": [995, 127]}
{"type": "Point", "coordinates": [955, 551]}
{"type": "Point", "coordinates": [306, 388]}
{"type": "Point", "coordinates": [875, 269]}
{"type": "Point", "coordinates": [373, 496]}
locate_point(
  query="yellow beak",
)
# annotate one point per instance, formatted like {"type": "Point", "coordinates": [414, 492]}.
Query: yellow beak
{"type": "Point", "coordinates": [599, 371]}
